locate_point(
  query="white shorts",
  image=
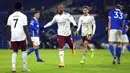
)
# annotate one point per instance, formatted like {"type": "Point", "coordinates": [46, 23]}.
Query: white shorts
{"type": "Point", "coordinates": [35, 40]}
{"type": "Point", "coordinates": [114, 37]}
{"type": "Point", "coordinates": [125, 38]}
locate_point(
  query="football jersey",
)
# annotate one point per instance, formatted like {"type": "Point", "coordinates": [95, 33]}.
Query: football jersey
{"type": "Point", "coordinates": [126, 22]}
{"type": "Point", "coordinates": [34, 28]}
{"type": "Point", "coordinates": [17, 20]}
{"type": "Point", "coordinates": [63, 22]}
{"type": "Point", "coordinates": [116, 18]}
{"type": "Point", "coordinates": [87, 22]}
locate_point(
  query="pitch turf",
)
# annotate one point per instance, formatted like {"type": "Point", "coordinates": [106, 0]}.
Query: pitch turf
{"type": "Point", "coordinates": [101, 63]}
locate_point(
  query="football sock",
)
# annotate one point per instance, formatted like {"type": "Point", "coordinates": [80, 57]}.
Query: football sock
{"type": "Point", "coordinates": [128, 48]}
{"type": "Point", "coordinates": [61, 55]}
{"type": "Point", "coordinates": [111, 48]}
{"type": "Point", "coordinates": [24, 57]}
{"type": "Point", "coordinates": [118, 53]}
{"type": "Point", "coordinates": [14, 56]}
{"type": "Point", "coordinates": [37, 54]}
{"type": "Point", "coordinates": [30, 51]}
{"type": "Point", "coordinates": [123, 48]}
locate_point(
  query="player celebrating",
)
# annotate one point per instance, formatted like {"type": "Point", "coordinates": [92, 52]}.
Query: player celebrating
{"type": "Point", "coordinates": [63, 20]}
{"type": "Point", "coordinates": [17, 25]}
{"type": "Point", "coordinates": [115, 26]}
{"type": "Point", "coordinates": [125, 40]}
{"type": "Point", "coordinates": [87, 22]}
{"type": "Point", "coordinates": [34, 33]}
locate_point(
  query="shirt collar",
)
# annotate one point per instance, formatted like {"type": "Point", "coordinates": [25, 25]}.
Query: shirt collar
{"type": "Point", "coordinates": [35, 18]}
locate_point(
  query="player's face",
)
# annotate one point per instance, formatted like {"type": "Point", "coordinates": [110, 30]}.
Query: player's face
{"type": "Point", "coordinates": [126, 15]}
{"type": "Point", "coordinates": [60, 9]}
{"type": "Point", "coordinates": [85, 11]}
{"type": "Point", "coordinates": [37, 15]}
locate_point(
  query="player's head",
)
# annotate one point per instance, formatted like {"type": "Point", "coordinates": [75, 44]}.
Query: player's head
{"type": "Point", "coordinates": [85, 10]}
{"type": "Point", "coordinates": [126, 15]}
{"type": "Point", "coordinates": [37, 14]}
{"type": "Point", "coordinates": [18, 6]}
{"type": "Point", "coordinates": [60, 8]}
{"type": "Point", "coordinates": [118, 6]}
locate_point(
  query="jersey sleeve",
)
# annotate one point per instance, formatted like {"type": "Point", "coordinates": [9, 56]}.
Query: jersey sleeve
{"type": "Point", "coordinates": [8, 22]}
{"type": "Point", "coordinates": [51, 22]}
{"type": "Point", "coordinates": [71, 19]}
{"type": "Point", "coordinates": [93, 23]}
{"type": "Point", "coordinates": [110, 14]}
{"type": "Point", "coordinates": [79, 24]}
{"type": "Point", "coordinates": [25, 20]}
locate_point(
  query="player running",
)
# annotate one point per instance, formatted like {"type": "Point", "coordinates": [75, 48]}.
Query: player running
{"type": "Point", "coordinates": [63, 20]}
{"type": "Point", "coordinates": [34, 33]}
{"type": "Point", "coordinates": [87, 22]}
{"type": "Point", "coordinates": [115, 27]}
{"type": "Point", "coordinates": [125, 40]}
{"type": "Point", "coordinates": [17, 26]}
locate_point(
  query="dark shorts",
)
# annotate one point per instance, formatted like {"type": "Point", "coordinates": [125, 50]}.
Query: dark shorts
{"type": "Point", "coordinates": [62, 39]}
{"type": "Point", "coordinates": [84, 38]}
{"type": "Point", "coordinates": [18, 45]}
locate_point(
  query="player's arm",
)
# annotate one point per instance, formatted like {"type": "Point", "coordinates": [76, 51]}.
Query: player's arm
{"type": "Point", "coordinates": [25, 28]}
{"type": "Point", "coordinates": [94, 25]}
{"type": "Point", "coordinates": [109, 23]}
{"type": "Point", "coordinates": [51, 22]}
{"type": "Point", "coordinates": [8, 31]}
{"type": "Point", "coordinates": [71, 19]}
{"type": "Point", "coordinates": [79, 25]}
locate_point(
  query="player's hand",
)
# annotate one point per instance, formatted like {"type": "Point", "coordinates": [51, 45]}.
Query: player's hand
{"type": "Point", "coordinates": [7, 44]}
{"type": "Point", "coordinates": [75, 27]}
{"type": "Point", "coordinates": [30, 43]}
{"type": "Point", "coordinates": [42, 28]}
{"type": "Point", "coordinates": [90, 36]}
{"type": "Point", "coordinates": [76, 33]}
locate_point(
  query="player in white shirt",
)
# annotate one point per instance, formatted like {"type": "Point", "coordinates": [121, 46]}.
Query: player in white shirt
{"type": "Point", "coordinates": [63, 19]}
{"type": "Point", "coordinates": [17, 26]}
{"type": "Point", "coordinates": [88, 30]}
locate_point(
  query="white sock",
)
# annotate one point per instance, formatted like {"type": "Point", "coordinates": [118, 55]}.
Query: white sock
{"type": "Point", "coordinates": [124, 48]}
{"type": "Point", "coordinates": [61, 55]}
{"type": "Point", "coordinates": [24, 57]}
{"type": "Point", "coordinates": [14, 56]}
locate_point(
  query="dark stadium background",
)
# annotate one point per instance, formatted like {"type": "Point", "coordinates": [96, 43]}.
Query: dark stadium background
{"type": "Point", "coordinates": [98, 8]}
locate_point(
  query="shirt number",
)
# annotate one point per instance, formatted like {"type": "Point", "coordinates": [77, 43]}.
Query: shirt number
{"type": "Point", "coordinates": [118, 15]}
{"type": "Point", "coordinates": [16, 20]}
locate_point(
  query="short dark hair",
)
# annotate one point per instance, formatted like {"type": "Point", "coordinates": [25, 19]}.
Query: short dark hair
{"type": "Point", "coordinates": [36, 12]}
{"type": "Point", "coordinates": [18, 5]}
{"type": "Point", "coordinates": [86, 7]}
{"type": "Point", "coordinates": [118, 6]}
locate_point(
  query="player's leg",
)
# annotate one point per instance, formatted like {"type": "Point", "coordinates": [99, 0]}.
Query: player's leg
{"type": "Point", "coordinates": [69, 41]}
{"type": "Point", "coordinates": [61, 40]}
{"type": "Point", "coordinates": [22, 45]}
{"type": "Point", "coordinates": [32, 48]}
{"type": "Point", "coordinates": [118, 45]}
{"type": "Point", "coordinates": [36, 47]}
{"type": "Point", "coordinates": [112, 39]}
{"type": "Point", "coordinates": [128, 47]}
{"type": "Point", "coordinates": [124, 43]}
{"type": "Point", "coordinates": [14, 55]}
{"type": "Point", "coordinates": [91, 49]}
{"type": "Point", "coordinates": [85, 45]}
{"type": "Point", "coordinates": [118, 51]}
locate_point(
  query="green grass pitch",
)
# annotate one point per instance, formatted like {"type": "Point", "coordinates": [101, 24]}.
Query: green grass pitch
{"type": "Point", "coordinates": [101, 63]}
